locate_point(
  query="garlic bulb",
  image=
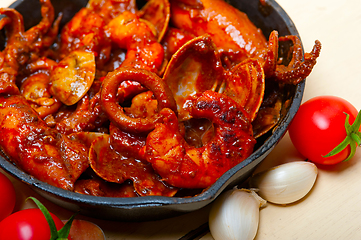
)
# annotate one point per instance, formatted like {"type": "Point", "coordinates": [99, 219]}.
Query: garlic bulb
{"type": "Point", "coordinates": [235, 215]}
{"type": "Point", "coordinates": [285, 183]}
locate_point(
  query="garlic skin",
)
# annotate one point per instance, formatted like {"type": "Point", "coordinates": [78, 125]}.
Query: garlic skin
{"type": "Point", "coordinates": [285, 183]}
{"type": "Point", "coordinates": [235, 215]}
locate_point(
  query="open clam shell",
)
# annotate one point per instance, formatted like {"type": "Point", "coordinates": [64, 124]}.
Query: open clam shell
{"type": "Point", "coordinates": [268, 17]}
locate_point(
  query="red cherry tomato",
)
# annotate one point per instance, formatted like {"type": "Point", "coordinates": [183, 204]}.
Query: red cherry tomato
{"type": "Point", "coordinates": [319, 126]}
{"type": "Point", "coordinates": [28, 224]}
{"type": "Point", "coordinates": [7, 199]}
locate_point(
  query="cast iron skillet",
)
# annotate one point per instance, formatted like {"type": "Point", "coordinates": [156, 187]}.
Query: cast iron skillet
{"type": "Point", "coordinates": [267, 17]}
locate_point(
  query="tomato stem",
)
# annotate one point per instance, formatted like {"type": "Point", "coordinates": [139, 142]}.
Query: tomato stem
{"type": "Point", "coordinates": [353, 137]}
{"type": "Point", "coordinates": [356, 138]}
{"type": "Point", "coordinates": [49, 219]}
{"type": "Point", "coordinates": [63, 233]}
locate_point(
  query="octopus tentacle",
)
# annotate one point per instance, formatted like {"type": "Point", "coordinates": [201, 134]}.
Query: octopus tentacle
{"type": "Point", "coordinates": [237, 38]}
{"type": "Point", "coordinates": [13, 23]}
{"type": "Point", "coordinates": [21, 46]}
{"type": "Point", "coordinates": [47, 13]}
{"type": "Point", "coordinates": [297, 69]}
{"type": "Point", "coordinates": [271, 56]}
{"type": "Point", "coordinates": [50, 37]}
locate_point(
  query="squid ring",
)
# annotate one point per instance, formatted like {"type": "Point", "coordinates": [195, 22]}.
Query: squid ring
{"type": "Point", "coordinates": [149, 80]}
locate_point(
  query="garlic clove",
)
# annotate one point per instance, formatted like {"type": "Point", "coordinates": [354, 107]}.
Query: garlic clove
{"type": "Point", "coordinates": [285, 183]}
{"type": "Point", "coordinates": [235, 215]}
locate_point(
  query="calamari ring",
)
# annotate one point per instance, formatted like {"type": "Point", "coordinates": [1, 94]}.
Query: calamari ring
{"type": "Point", "coordinates": [116, 113]}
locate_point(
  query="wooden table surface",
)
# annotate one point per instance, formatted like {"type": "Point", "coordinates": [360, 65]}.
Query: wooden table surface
{"type": "Point", "coordinates": [332, 210]}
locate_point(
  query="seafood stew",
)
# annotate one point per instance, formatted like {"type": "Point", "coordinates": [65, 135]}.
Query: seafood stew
{"type": "Point", "coordinates": [67, 134]}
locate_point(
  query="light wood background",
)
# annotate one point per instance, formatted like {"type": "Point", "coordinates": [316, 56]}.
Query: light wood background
{"type": "Point", "coordinates": [332, 210]}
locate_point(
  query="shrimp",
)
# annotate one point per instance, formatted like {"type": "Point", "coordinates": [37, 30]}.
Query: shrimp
{"type": "Point", "coordinates": [184, 166]}
{"type": "Point", "coordinates": [233, 33]}
{"type": "Point", "coordinates": [237, 38]}
{"type": "Point", "coordinates": [126, 103]}
{"type": "Point", "coordinates": [129, 32]}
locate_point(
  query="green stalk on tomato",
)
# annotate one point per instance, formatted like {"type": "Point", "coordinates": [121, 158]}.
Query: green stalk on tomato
{"type": "Point", "coordinates": [326, 130]}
